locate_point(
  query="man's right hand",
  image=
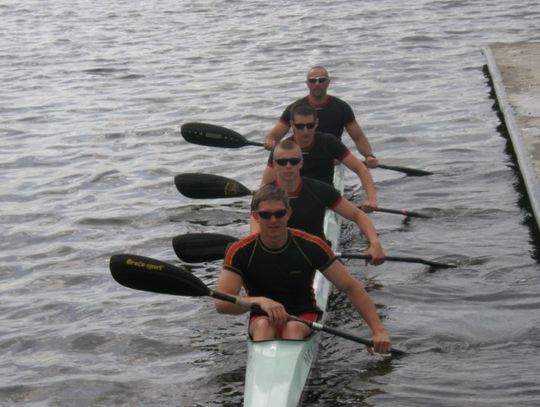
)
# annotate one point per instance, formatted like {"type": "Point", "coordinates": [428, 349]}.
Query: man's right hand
{"type": "Point", "coordinates": [276, 311]}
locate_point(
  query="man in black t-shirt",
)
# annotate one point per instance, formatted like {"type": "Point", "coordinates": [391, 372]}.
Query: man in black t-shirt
{"type": "Point", "coordinates": [334, 115]}
{"type": "Point", "coordinates": [319, 151]}
{"type": "Point", "coordinates": [277, 266]}
{"type": "Point", "coordinates": [309, 198]}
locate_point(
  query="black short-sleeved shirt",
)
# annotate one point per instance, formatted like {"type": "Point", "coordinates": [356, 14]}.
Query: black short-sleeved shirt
{"type": "Point", "coordinates": [333, 116]}
{"type": "Point", "coordinates": [284, 275]}
{"type": "Point", "coordinates": [319, 157]}
{"type": "Point", "coordinates": [308, 204]}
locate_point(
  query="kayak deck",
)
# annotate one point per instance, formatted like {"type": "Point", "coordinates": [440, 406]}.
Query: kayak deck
{"type": "Point", "coordinates": [277, 369]}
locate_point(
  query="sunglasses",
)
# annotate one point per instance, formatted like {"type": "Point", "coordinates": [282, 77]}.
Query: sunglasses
{"type": "Point", "coordinates": [300, 126]}
{"type": "Point", "coordinates": [283, 161]}
{"type": "Point", "coordinates": [320, 79]}
{"type": "Point", "coordinates": [268, 214]}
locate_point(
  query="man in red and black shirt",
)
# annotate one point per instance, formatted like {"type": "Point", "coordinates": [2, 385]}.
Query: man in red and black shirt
{"type": "Point", "coordinates": [319, 151]}
{"type": "Point", "coordinates": [276, 267]}
{"type": "Point", "coordinates": [309, 198]}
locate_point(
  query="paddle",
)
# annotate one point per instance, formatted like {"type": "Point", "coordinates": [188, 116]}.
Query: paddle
{"type": "Point", "coordinates": [409, 171]}
{"type": "Point", "coordinates": [146, 274]}
{"type": "Point", "coordinates": [209, 186]}
{"type": "Point", "coordinates": [201, 247]}
{"type": "Point", "coordinates": [404, 212]}
{"type": "Point", "coordinates": [216, 136]}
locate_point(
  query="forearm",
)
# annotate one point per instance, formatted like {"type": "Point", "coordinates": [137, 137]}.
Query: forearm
{"type": "Point", "coordinates": [242, 305]}
{"type": "Point", "coordinates": [366, 227]}
{"type": "Point", "coordinates": [359, 138]}
{"type": "Point", "coordinates": [367, 183]}
{"type": "Point", "coordinates": [225, 307]}
{"type": "Point", "coordinates": [365, 307]}
{"type": "Point", "coordinates": [363, 146]}
{"type": "Point", "coordinates": [269, 175]}
{"type": "Point", "coordinates": [276, 134]}
{"type": "Point", "coordinates": [364, 175]}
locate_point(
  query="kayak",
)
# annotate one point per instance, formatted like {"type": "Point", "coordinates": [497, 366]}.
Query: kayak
{"type": "Point", "coordinates": [277, 369]}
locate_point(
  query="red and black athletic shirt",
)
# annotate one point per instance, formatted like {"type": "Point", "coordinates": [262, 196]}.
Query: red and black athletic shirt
{"type": "Point", "coordinates": [333, 116]}
{"type": "Point", "coordinates": [309, 203]}
{"type": "Point", "coordinates": [284, 275]}
{"type": "Point", "coordinates": [319, 157]}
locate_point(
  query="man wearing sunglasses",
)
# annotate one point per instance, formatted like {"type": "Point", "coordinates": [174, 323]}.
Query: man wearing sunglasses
{"type": "Point", "coordinates": [309, 199]}
{"type": "Point", "coordinates": [319, 152]}
{"type": "Point", "coordinates": [334, 116]}
{"type": "Point", "coordinates": [277, 266]}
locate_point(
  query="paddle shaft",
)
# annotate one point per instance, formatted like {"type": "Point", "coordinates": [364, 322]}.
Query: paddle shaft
{"type": "Point", "coordinates": [406, 170]}
{"type": "Point", "coordinates": [210, 186]}
{"type": "Point", "coordinates": [200, 247]}
{"type": "Point", "coordinates": [402, 212]}
{"type": "Point", "coordinates": [216, 136]}
{"type": "Point", "coordinates": [397, 258]}
{"type": "Point", "coordinates": [313, 325]}
{"type": "Point", "coordinates": [147, 274]}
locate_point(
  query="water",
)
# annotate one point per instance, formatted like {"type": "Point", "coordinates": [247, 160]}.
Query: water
{"type": "Point", "coordinates": [93, 95]}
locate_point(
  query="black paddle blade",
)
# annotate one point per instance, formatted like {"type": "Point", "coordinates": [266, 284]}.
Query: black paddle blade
{"type": "Point", "coordinates": [212, 135]}
{"type": "Point", "coordinates": [200, 247]}
{"type": "Point", "coordinates": [209, 186]}
{"type": "Point", "coordinates": [146, 274]}
{"type": "Point", "coordinates": [409, 171]}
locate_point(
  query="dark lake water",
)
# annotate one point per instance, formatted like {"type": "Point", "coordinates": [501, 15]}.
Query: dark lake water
{"type": "Point", "coordinates": [93, 95]}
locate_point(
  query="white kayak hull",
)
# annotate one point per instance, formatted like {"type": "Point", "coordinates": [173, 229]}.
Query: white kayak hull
{"type": "Point", "coordinates": [277, 370]}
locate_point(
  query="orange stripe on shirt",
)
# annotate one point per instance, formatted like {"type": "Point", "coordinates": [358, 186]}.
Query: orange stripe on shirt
{"type": "Point", "coordinates": [314, 239]}
{"type": "Point", "coordinates": [237, 246]}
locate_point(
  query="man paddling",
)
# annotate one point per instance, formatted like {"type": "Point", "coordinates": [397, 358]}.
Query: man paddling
{"type": "Point", "coordinates": [319, 151]}
{"type": "Point", "coordinates": [334, 114]}
{"type": "Point", "coordinates": [309, 199]}
{"type": "Point", "coordinates": [277, 266]}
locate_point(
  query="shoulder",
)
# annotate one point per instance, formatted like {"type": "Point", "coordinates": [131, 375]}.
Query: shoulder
{"type": "Point", "coordinates": [320, 188]}
{"type": "Point", "coordinates": [338, 101]}
{"type": "Point", "coordinates": [340, 104]}
{"type": "Point", "coordinates": [311, 240]}
{"type": "Point", "coordinates": [240, 245]}
{"type": "Point", "coordinates": [328, 137]}
{"type": "Point", "coordinates": [302, 99]}
{"type": "Point", "coordinates": [331, 141]}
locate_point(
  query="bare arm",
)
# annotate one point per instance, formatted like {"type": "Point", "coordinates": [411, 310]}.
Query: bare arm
{"type": "Point", "coordinates": [231, 283]}
{"type": "Point", "coordinates": [362, 143]}
{"type": "Point", "coordinates": [273, 136]}
{"type": "Point", "coordinates": [269, 175]}
{"type": "Point", "coordinates": [360, 299]}
{"type": "Point", "coordinates": [350, 212]}
{"type": "Point", "coordinates": [356, 166]}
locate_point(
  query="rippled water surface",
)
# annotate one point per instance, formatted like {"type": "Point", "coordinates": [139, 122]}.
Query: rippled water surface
{"type": "Point", "coordinates": [93, 95]}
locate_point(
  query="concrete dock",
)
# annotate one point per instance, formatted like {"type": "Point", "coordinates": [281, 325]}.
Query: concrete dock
{"type": "Point", "coordinates": [515, 75]}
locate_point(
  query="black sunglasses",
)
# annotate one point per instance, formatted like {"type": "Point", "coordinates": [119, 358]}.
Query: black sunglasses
{"type": "Point", "coordinates": [320, 79]}
{"type": "Point", "coordinates": [283, 161]}
{"type": "Point", "coordinates": [300, 126]}
{"type": "Point", "coordinates": [268, 214]}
